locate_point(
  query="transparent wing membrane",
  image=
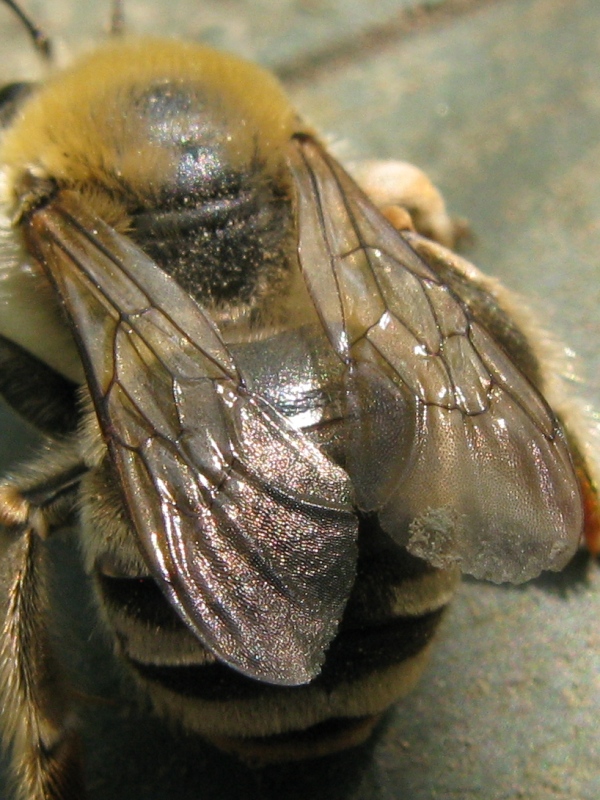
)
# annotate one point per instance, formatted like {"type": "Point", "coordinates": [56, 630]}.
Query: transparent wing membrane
{"type": "Point", "coordinates": [470, 466]}
{"type": "Point", "coordinates": [247, 526]}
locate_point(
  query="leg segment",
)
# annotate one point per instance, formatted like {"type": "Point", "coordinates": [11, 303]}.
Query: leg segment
{"type": "Point", "coordinates": [397, 187]}
{"type": "Point", "coordinates": [37, 724]}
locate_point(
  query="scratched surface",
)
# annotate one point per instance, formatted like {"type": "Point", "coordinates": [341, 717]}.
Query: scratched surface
{"type": "Point", "coordinates": [500, 103]}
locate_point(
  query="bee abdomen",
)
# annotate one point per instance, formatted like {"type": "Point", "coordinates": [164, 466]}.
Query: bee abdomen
{"type": "Point", "coordinates": [148, 631]}
{"type": "Point", "coordinates": [353, 655]}
{"type": "Point", "coordinates": [393, 627]}
{"type": "Point", "coordinates": [379, 653]}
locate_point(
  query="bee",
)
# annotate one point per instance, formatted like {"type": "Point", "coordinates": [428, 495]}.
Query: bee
{"type": "Point", "coordinates": [280, 420]}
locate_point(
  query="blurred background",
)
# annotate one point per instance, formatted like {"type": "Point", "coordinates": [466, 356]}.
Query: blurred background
{"type": "Point", "coordinates": [499, 101]}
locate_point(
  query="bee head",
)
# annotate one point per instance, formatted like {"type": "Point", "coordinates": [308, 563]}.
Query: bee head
{"type": "Point", "coordinates": [181, 147]}
{"type": "Point", "coordinates": [152, 123]}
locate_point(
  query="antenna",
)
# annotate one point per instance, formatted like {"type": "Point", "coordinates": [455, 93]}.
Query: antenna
{"type": "Point", "coordinates": [117, 18]}
{"type": "Point", "coordinates": [40, 40]}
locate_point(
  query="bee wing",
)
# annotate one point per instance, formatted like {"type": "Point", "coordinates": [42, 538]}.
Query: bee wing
{"type": "Point", "coordinates": [247, 526]}
{"type": "Point", "coordinates": [450, 444]}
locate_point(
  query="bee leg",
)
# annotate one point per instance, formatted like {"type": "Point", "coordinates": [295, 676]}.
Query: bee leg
{"type": "Point", "coordinates": [38, 726]}
{"type": "Point", "coordinates": [408, 199]}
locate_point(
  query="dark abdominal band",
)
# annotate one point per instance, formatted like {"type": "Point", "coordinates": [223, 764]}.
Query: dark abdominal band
{"type": "Point", "coordinates": [354, 654]}
{"type": "Point", "coordinates": [351, 657]}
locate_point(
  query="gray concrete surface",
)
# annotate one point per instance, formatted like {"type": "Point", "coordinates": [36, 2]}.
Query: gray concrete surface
{"type": "Point", "coordinates": [500, 102]}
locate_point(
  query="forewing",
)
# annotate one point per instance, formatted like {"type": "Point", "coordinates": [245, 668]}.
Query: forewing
{"type": "Point", "coordinates": [246, 525]}
{"type": "Point", "coordinates": [457, 452]}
